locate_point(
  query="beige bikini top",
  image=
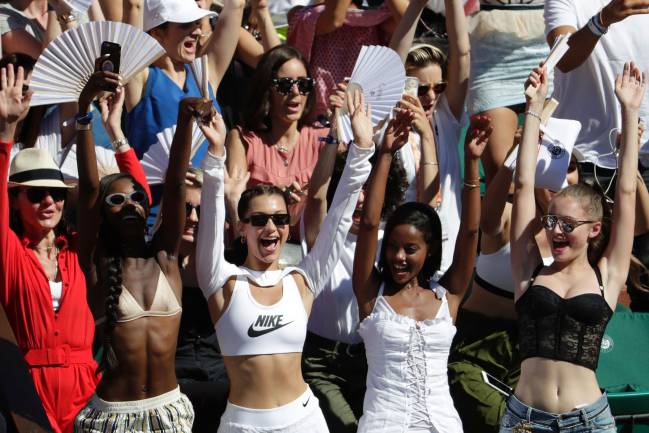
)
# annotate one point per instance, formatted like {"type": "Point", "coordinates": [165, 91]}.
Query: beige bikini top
{"type": "Point", "coordinates": [164, 303]}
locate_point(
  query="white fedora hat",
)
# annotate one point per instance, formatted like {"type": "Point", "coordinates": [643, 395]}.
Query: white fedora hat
{"type": "Point", "coordinates": [35, 167]}
{"type": "Point", "coordinates": [158, 12]}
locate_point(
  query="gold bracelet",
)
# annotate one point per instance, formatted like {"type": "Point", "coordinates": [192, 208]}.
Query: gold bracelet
{"type": "Point", "coordinates": [472, 185]}
{"type": "Point", "coordinates": [429, 163]}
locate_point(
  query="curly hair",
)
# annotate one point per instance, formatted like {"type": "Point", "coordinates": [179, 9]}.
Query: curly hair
{"type": "Point", "coordinates": [257, 109]}
{"type": "Point", "coordinates": [425, 219]}
{"type": "Point", "coordinates": [109, 244]}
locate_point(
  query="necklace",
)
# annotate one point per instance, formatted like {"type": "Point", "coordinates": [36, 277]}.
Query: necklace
{"type": "Point", "coordinates": [283, 152]}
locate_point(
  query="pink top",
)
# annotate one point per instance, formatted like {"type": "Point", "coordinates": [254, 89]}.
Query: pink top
{"type": "Point", "coordinates": [332, 56]}
{"type": "Point", "coordinates": [268, 165]}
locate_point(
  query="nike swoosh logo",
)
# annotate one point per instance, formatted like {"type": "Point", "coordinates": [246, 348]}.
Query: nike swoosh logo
{"type": "Point", "coordinates": [252, 333]}
{"type": "Point", "coordinates": [306, 402]}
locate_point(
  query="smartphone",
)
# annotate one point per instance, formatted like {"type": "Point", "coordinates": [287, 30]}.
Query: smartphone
{"type": "Point", "coordinates": [411, 86]}
{"type": "Point", "coordinates": [496, 384]}
{"type": "Point", "coordinates": [111, 54]}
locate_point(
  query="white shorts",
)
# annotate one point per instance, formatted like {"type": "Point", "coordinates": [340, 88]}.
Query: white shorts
{"type": "Point", "coordinates": [170, 412]}
{"type": "Point", "coordinates": [303, 415]}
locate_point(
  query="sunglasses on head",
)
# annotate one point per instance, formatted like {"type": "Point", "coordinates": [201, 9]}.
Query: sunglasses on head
{"type": "Point", "coordinates": [189, 207]}
{"type": "Point", "coordinates": [261, 219]}
{"type": "Point", "coordinates": [37, 194]}
{"type": "Point", "coordinates": [566, 224]}
{"type": "Point", "coordinates": [119, 198]}
{"type": "Point", "coordinates": [438, 88]}
{"type": "Point", "coordinates": [284, 85]}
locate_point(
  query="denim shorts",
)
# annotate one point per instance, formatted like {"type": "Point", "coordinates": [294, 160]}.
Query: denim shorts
{"type": "Point", "coordinates": [521, 418]}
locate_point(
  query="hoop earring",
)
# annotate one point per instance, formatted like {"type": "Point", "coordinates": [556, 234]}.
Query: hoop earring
{"type": "Point", "coordinates": [243, 240]}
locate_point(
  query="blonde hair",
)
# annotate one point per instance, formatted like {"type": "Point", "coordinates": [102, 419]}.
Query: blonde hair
{"type": "Point", "coordinates": [422, 55]}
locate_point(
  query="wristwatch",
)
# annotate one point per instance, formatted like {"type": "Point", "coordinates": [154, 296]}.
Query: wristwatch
{"type": "Point", "coordinates": [83, 121]}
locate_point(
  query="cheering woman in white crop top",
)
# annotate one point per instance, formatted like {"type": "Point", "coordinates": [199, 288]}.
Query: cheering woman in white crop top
{"type": "Point", "coordinates": [260, 312]}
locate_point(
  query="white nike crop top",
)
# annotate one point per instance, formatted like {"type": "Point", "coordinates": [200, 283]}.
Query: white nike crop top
{"type": "Point", "coordinates": [247, 327]}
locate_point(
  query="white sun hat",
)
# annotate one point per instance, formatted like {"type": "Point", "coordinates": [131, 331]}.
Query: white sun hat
{"type": "Point", "coordinates": [35, 167]}
{"type": "Point", "coordinates": [158, 12]}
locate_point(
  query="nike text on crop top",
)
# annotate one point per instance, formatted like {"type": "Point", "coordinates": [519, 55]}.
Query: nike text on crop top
{"type": "Point", "coordinates": [563, 329]}
{"type": "Point", "coordinates": [247, 327]}
{"type": "Point", "coordinates": [164, 303]}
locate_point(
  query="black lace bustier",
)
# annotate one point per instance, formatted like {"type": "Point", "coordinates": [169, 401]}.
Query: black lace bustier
{"type": "Point", "coordinates": [563, 329]}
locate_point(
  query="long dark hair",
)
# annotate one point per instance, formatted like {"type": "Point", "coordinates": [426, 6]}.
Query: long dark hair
{"type": "Point", "coordinates": [257, 109]}
{"type": "Point", "coordinates": [425, 219]}
{"type": "Point", "coordinates": [109, 243]}
{"type": "Point", "coordinates": [238, 252]}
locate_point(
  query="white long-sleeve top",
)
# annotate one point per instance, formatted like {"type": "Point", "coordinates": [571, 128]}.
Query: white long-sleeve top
{"type": "Point", "coordinates": [213, 270]}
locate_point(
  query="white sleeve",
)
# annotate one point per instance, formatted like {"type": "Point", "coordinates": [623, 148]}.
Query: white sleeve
{"type": "Point", "coordinates": [559, 13]}
{"type": "Point", "coordinates": [321, 260]}
{"type": "Point", "coordinates": [211, 268]}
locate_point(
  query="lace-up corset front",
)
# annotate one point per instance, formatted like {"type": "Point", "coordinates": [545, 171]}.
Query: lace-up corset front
{"type": "Point", "coordinates": [407, 384]}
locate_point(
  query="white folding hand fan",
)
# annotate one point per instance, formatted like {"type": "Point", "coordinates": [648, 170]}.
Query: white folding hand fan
{"type": "Point", "coordinates": [106, 163]}
{"type": "Point", "coordinates": [380, 75]}
{"type": "Point", "coordinates": [156, 160]}
{"type": "Point", "coordinates": [200, 71]}
{"type": "Point", "coordinates": [63, 69]}
{"type": "Point", "coordinates": [78, 5]}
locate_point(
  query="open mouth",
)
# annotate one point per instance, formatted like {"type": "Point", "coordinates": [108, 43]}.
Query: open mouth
{"type": "Point", "coordinates": [400, 270]}
{"type": "Point", "coordinates": [190, 45]}
{"type": "Point", "coordinates": [559, 245]}
{"type": "Point", "coordinates": [270, 244]}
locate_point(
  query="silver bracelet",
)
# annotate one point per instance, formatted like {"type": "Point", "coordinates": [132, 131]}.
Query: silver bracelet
{"type": "Point", "coordinates": [533, 114]}
{"type": "Point", "coordinates": [116, 144]}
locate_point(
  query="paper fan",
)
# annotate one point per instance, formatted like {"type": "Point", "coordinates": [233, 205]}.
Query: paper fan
{"type": "Point", "coordinates": [380, 75]}
{"type": "Point", "coordinates": [63, 69]}
{"type": "Point", "coordinates": [199, 69]}
{"type": "Point", "coordinates": [106, 163]}
{"type": "Point", "coordinates": [78, 5]}
{"type": "Point", "coordinates": [156, 159]}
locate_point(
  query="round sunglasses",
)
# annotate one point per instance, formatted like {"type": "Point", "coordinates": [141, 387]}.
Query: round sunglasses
{"type": "Point", "coordinates": [438, 88]}
{"type": "Point", "coordinates": [189, 207]}
{"type": "Point", "coordinates": [261, 219]}
{"type": "Point", "coordinates": [566, 224]}
{"type": "Point", "coordinates": [36, 194]}
{"type": "Point", "coordinates": [119, 198]}
{"type": "Point", "coordinates": [285, 85]}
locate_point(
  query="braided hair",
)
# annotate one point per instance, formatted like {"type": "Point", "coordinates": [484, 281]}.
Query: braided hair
{"type": "Point", "coordinates": [112, 279]}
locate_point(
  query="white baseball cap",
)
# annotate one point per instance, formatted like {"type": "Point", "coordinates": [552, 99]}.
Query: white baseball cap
{"type": "Point", "coordinates": [158, 12]}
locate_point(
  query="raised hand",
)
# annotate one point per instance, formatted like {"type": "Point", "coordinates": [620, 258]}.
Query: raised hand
{"type": "Point", "coordinates": [14, 104]}
{"type": "Point", "coordinates": [236, 183]}
{"type": "Point", "coordinates": [361, 119]}
{"type": "Point", "coordinates": [630, 87]}
{"type": "Point", "coordinates": [397, 131]}
{"type": "Point", "coordinates": [215, 132]}
{"type": "Point", "coordinates": [111, 107]}
{"type": "Point", "coordinates": [420, 120]}
{"type": "Point", "coordinates": [200, 108]}
{"type": "Point", "coordinates": [478, 136]}
{"type": "Point", "coordinates": [539, 80]}
{"type": "Point", "coordinates": [100, 81]}
{"type": "Point", "coordinates": [617, 10]}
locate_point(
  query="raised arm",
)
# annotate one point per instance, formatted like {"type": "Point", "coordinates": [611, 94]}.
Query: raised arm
{"type": "Point", "coordinates": [459, 50]}
{"type": "Point", "coordinates": [168, 236]}
{"type": "Point", "coordinates": [428, 176]}
{"type": "Point", "coordinates": [630, 88]}
{"type": "Point", "coordinates": [111, 116]}
{"type": "Point", "coordinates": [560, 17]}
{"type": "Point", "coordinates": [237, 166]}
{"type": "Point", "coordinates": [316, 205]}
{"type": "Point", "coordinates": [265, 25]}
{"type": "Point", "coordinates": [456, 279]}
{"type": "Point", "coordinates": [211, 268]}
{"type": "Point", "coordinates": [333, 16]}
{"type": "Point", "coordinates": [222, 43]}
{"type": "Point", "coordinates": [403, 35]}
{"type": "Point", "coordinates": [525, 253]}
{"type": "Point", "coordinates": [364, 278]}
{"type": "Point", "coordinates": [493, 219]}
{"type": "Point", "coordinates": [13, 106]}
{"type": "Point", "coordinates": [319, 263]}
{"type": "Point", "coordinates": [87, 207]}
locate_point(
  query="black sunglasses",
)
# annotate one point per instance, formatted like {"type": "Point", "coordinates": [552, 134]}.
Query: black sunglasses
{"type": "Point", "coordinates": [119, 198]}
{"type": "Point", "coordinates": [284, 85]}
{"type": "Point", "coordinates": [36, 194]}
{"type": "Point", "coordinates": [438, 88]}
{"type": "Point", "coordinates": [261, 219]}
{"type": "Point", "coordinates": [189, 207]}
{"type": "Point", "coordinates": [566, 224]}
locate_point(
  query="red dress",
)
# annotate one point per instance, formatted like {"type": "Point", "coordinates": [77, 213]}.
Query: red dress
{"type": "Point", "coordinates": [57, 345]}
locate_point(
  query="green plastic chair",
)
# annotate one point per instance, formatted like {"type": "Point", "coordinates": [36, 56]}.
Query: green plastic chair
{"type": "Point", "coordinates": [624, 369]}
